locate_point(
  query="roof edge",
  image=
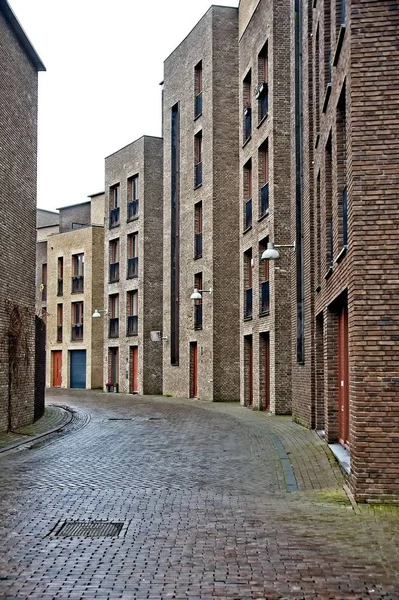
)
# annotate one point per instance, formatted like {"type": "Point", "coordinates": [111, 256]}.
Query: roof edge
{"type": "Point", "coordinates": [21, 36]}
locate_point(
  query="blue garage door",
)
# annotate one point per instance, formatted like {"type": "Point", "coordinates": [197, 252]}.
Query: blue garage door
{"type": "Point", "coordinates": [78, 368]}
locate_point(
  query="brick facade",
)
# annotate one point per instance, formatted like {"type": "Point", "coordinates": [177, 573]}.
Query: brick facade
{"type": "Point", "coordinates": [200, 166]}
{"type": "Point", "coordinates": [18, 150]}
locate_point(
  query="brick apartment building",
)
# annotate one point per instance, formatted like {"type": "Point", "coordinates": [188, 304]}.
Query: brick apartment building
{"type": "Point", "coordinates": [21, 394]}
{"type": "Point", "coordinates": [47, 223]}
{"type": "Point", "coordinates": [74, 289]}
{"type": "Point", "coordinates": [345, 220]}
{"type": "Point", "coordinates": [265, 165]}
{"type": "Point", "coordinates": [132, 297]}
{"type": "Point", "coordinates": [201, 211]}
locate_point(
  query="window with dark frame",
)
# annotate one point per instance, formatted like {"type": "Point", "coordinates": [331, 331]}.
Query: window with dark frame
{"type": "Point", "coordinates": [132, 256]}
{"type": "Point", "coordinates": [114, 261]}
{"type": "Point", "coordinates": [329, 226]}
{"type": "Point", "coordinates": [264, 284]}
{"type": "Point", "coordinates": [198, 89]}
{"type": "Point", "coordinates": [198, 303]}
{"type": "Point", "coordinates": [198, 159]}
{"type": "Point", "coordinates": [44, 282]}
{"type": "Point", "coordinates": [77, 321]}
{"type": "Point", "coordinates": [114, 205]}
{"type": "Point", "coordinates": [247, 104]}
{"type": "Point", "coordinates": [317, 81]}
{"type": "Point", "coordinates": [248, 265]}
{"type": "Point", "coordinates": [78, 273]}
{"type": "Point", "coordinates": [132, 305]}
{"type": "Point", "coordinates": [262, 93]}
{"type": "Point", "coordinates": [133, 198]}
{"type": "Point", "coordinates": [60, 318]}
{"type": "Point", "coordinates": [263, 166]}
{"type": "Point", "coordinates": [113, 321]}
{"type": "Point", "coordinates": [198, 230]}
{"type": "Point", "coordinates": [113, 366]}
{"type": "Point", "coordinates": [60, 273]}
{"type": "Point", "coordinates": [247, 192]}
{"type": "Point", "coordinates": [341, 168]}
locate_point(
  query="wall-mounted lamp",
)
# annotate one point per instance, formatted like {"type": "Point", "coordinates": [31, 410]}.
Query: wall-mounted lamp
{"type": "Point", "coordinates": [271, 253]}
{"type": "Point", "coordinates": [97, 313]}
{"type": "Point", "coordinates": [197, 294]}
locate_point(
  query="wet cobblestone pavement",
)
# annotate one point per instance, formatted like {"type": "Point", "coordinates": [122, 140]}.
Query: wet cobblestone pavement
{"type": "Point", "coordinates": [214, 501]}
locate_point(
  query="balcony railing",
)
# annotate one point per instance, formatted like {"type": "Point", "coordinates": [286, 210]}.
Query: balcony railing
{"type": "Point", "coordinates": [198, 105]}
{"type": "Point", "coordinates": [248, 214]}
{"type": "Point", "coordinates": [132, 267]}
{"type": "Point", "coordinates": [198, 245]}
{"type": "Point", "coordinates": [264, 200]}
{"type": "Point", "coordinates": [132, 325]}
{"type": "Point", "coordinates": [198, 174]}
{"type": "Point", "coordinates": [59, 333]}
{"type": "Point", "coordinates": [198, 316]}
{"type": "Point", "coordinates": [247, 122]}
{"type": "Point", "coordinates": [113, 327]}
{"type": "Point", "coordinates": [264, 297]}
{"type": "Point", "coordinates": [132, 210]}
{"type": "Point", "coordinates": [113, 272]}
{"type": "Point", "coordinates": [60, 287]}
{"type": "Point", "coordinates": [114, 217]}
{"type": "Point", "coordinates": [77, 332]}
{"type": "Point", "coordinates": [248, 303]}
{"type": "Point", "coordinates": [77, 284]}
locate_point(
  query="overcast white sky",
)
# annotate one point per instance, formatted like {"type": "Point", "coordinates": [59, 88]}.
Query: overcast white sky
{"type": "Point", "coordinates": [104, 61]}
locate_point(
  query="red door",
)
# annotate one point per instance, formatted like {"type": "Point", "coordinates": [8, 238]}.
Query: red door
{"type": "Point", "coordinates": [193, 370]}
{"type": "Point", "coordinates": [343, 377]}
{"type": "Point", "coordinates": [266, 372]}
{"type": "Point", "coordinates": [57, 368]}
{"type": "Point", "coordinates": [134, 370]}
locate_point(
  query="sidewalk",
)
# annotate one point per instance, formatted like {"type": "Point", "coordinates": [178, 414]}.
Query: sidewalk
{"type": "Point", "coordinates": [54, 419]}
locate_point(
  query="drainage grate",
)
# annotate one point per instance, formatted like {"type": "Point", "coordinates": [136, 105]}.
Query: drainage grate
{"type": "Point", "coordinates": [89, 529]}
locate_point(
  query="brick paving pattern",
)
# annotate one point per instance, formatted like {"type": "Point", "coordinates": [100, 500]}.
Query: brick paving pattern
{"type": "Point", "coordinates": [203, 492]}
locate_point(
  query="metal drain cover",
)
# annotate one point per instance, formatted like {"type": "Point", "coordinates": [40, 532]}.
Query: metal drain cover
{"type": "Point", "coordinates": [89, 529]}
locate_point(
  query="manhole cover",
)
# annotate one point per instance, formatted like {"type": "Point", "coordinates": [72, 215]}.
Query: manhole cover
{"type": "Point", "coordinates": [89, 529]}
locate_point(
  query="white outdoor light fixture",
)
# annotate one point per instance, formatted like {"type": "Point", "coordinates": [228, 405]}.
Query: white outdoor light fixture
{"type": "Point", "coordinates": [197, 294]}
{"type": "Point", "coordinates": [271, 253]}
{"type": "Point", "coordinates": [97, 313]}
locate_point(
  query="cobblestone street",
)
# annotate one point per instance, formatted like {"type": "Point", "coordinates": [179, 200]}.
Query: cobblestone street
{"type": "Point", "coordinates": [213, 500]}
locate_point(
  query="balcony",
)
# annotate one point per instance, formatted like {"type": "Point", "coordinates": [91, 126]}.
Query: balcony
{"type": "Point", "coordinates": [198, 105]}
{"type": "Point", "coordinates": [133, 210]}
{"type": "Point", "coordinates": [59, 333]}
{"type": "Point", "coordinates": [77, 332]}
{"type": "Point", "coordinates": [264, 200]}
{"type": "Point", "coordinates": [264, 298]}
{"type": "Point", "coordinates": [248, 214]}
{"type": "Point", "coordinates": [60, 287]}
{"type": "Point", "coordinates": [198, 174]}
{"type": "Point", "coordinates": [248, 303]}
{"type": "Point", "coordinates": [113, 272]}
{"type": "Point", "coordinates": [133, 267]}
{"type": "Point", "coordinates": [247, 123]}
{"type": "Point", "coordinates": [113, 331]}
{"type": "Point", "coordinates": [198, 316]}
{"type": "Point", "coordinates": [114, 217]}
{"type": "Point", "coordinates": [132, 325]}
{"type": "Point", "coordinates": [77, 284]}
{"type": "Point", "coordinates": [198, 245]}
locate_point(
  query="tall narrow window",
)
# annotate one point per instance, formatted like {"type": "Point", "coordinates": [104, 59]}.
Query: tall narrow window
{"type": "Point", "coordinates": [77, 320]}
{"type": "Point", "coordinates": [175, 235]}
{"type": "Point", "coordinates": [264, 284]}
{"type": "Point", "coordinates": [114, 204]}
{"type": "Point", "coordinates": [132, 306]}
{"type": "Point", "coordinates": [113, 309]}
{"type": "Point", "coordinates": [43, 285]}
{"type": "Point", "coordinates": [329, 227]}
{"type": "Point", "coordinates": [198, 89]}
{"type": "Point", "coordinates": [317, 81]}
{"type": "Point", "coordinates": [327, 43]}
{"type": "Point", "coordinates": [248, 264]}
{"type": "Point", "coordinates": [262, 93]}
{"type": "Point", "coordinates": [114, 261]}
{"type": "Point", "coordinates": [132, 255]}
{"type": "Point", "coordinates": [60, 282]}
{"type": "Point", "coordinates": [60, 319]}
{"type": "Point", "coordinates": [78, 261]}
{"type": "Point", "coordinates": [247, 190]}
{"type": "Point", "coordinates": [198, 159]}
{"type": "Point", "coordinates": [198, 230]}
{"type": "Point", "coordinates": [113, 366]}
{"type": "Point", "coordinates": [341, 170]}
{"type": "Point", "coordinates": [247, 102]}
{"type": "Point", "coordinates": [198, 303]}
{"type": "Point", "coordinates": [318, 246]}
{"type": "Point", "coordinates": [133, 198]}
{"type": "Point", "coordinates": [263, 170]}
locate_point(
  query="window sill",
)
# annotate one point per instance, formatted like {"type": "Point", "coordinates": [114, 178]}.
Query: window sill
{"type": "Point", "coordinates": [197, 116]}
{"type": "Point", "coordinates": [317, 289]}
{"type": "Point", "coordinates": [317, 140]}
{"type": "Point", "coordinates": [338, 47]}
{"type": "Point", "coordinates": [326, 97]}
{"type": "Point", "coordinates": [114, 225]}
{"type": "Point", "coordinates": [246, 141]}
{"type": "Point", "coordinates": [341, 254]}
{"type": "Point", "coordinates": [196, 257]}
{"type": "Point", "coordinates": [132, 277]}
{"type": "Point", "coordinates": [132, 334]}
{"type": "Point", "coordinates": [198, 328]}
{"type": "Point", "coordinates": [132, 219]}
{"type": "Point", "coordinates": [265, 313]}
{"type": "Point", "coordinates": [261, 217]}
{"type": "Point", "coordinates": [247, 229]}
{"type": "Point", "coordinates": [329, 273]}
{"type": "Point", "coordinates": [248, 318]}
{"type": "Point", "coordinates": [113, 281]}
{"type": "Point", "coordinates": [198, 186]}
{"type": "Point", "coordinates": [263, 119]}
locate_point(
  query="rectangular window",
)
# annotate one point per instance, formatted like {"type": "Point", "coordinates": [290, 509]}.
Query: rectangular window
{"type": "Point", "coordinates": [77, 320]}
{"type": "Point", "coordinates": [114, 204]}
{"type": "Point", "coordinates": [317, 82]}
{"type": "Point", "coordinates": [43, 285]}
{"type": "Point", "coordinates": [341, 170]}
{"type": "Point", "coordinates": [264, 285]}
{"type": "Point", "coordinates": [133, 198]}
{"type": "Point", "coordinates": [262, 93]}
{"type": "Point", "coordinates": [60, 282]}
{"type": "Point", "coordinates": [132, 256]}
{"type": "Point", "coordinates": [329, 229]}
{"type": "Point", "coordinates": [247, 103]}
{"type": "Point", "coordinates": [198, 230]}
{"type": "Point", "coordinates": [263, 172]}
{"type": "Point", "coordinates": [113, 309]}
{"type": "Point", "coordinates": [175, 235]}
{"type": "Point", "coordinates": [198, 89]}
{"type": "Point", "coordinates": [247, 191]}
{"type": "Point", "coordinates": [198, 159]}
{"type": "Point", "coordinates": [318, 246]}
{"type": "Point", "coordinates": [113, 367]}
{"type": "Point", "coordinates": [198, 303]}
{"type": "Point", "coordinates": [78, 273]}
{"type": "Point", "coordinates": [132, 306]}
{"type": "Point", "coordinates": [248, 265]}
{"type": "Point", "coordinates": [60, 319]}
{"type": "Point", "coordinates": [114, 261]}
{"type": "Point", "coordinates": [327, 43]}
